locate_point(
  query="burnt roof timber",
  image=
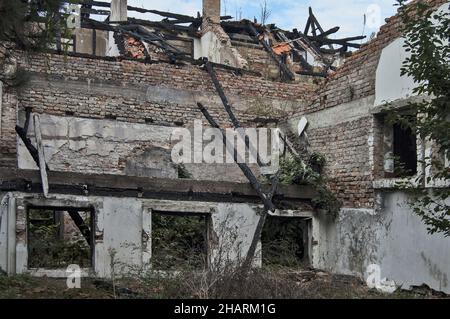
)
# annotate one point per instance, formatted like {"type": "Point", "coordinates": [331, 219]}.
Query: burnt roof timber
{"type": "Point", "coordinates": [88, 11]}
{"type": "Point", "coordinates": [287, 74]}
{"type": "Point", "coordinates": [181, 17]}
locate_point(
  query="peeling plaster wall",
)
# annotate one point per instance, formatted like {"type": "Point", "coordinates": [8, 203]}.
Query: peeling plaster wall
{"type": "Point", "coordinates": [119, 220]}
{"type": "Point", "coordinates": [111, 147]}
{"type": "Point", "coordinates": [119, 225]}
{"type": "Point", "coordinates": [215, 44]}
{"type": "Point", "coordinates": [102, 146]}
{"type": "Point", "coordinates": [392, 236]}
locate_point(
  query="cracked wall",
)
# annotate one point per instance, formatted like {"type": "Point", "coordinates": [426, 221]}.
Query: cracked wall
{"type": "Point", "coordinates": [391, 236]}
{"type": "Point", "coordinates": [123, 230]}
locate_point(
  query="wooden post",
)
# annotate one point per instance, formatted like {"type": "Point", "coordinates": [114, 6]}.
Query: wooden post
{"type": "Point", "coordinates": [119, 10]}
{"type": "Point", "coordinates": [40, 149]}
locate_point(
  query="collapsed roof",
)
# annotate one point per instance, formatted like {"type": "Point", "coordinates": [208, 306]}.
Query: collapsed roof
{"type": "Point", "coordinates": [309, 52]}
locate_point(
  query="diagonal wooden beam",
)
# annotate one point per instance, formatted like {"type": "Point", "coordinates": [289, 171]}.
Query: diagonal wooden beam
{"type": "Point", "coordinates": [81, 225]}
{"type": "Point", "coordinates": [266, 198]}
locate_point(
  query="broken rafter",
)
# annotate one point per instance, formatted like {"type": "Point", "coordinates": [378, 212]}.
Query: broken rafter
{"type": "Point", "coordinates": [22, 132]}
{"type": "Point", "coordinates": [237, 125]}
{"type": "Point", "coordinates": [303, 41]}
{"type": "Point", "coordinates": [85, 12]}
{"type": "Point", "coordinates": [266, 198]}
{"type": "Point", "coordinates": [286, 73]}
{"type": "Point", "coordinates": [81, 225]}
{"type": "Point", "coordinates": [312, 73]}
{"type": "Point", "coordinates": [315, 26]}
{"type": "Point", "coordinates": [143, 187]}
{"type": "Point", "coordinates": [140, 33]}
{"type": "Point", "coordinates": [181, 18]}
{"type": "Point", "coordinates": [244, 168]}
{"type": "Point", "coordinates": [344, 42]}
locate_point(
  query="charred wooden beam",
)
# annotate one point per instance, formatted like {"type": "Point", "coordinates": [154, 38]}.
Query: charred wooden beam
{"type": "Point", "coordinates": [312, 73]}
{"type": "Point", "coordinates": [244, 168]}
{"type": "Point", "coordinates": [330, 32]}
{"type": "Point", "coordinates": [138, 32]}
{"type": "Point", "coordinates": [308, 25]}
{"type": "Point", "coordinates": [316, 26]}
{"type": "Point", "coordinates": [221, 92]}
{"type": "Point", "coordinates": [22, 132]}
{"type": "Point", "coordinates": [27, 119]}
{"type": "Point", "coordinates": [81, 225]}
{"type": "Point", "coordinates": [343, 49]}
{"type": "Point", "coordinates": [86, 12]}
{"type": "Point", "coordinates": [237, 125]}
{"type": "Point", "coordinates": [27, 142]}
{"type": "Point", "coordinates": [349, 39]}
{"type": "Point", "coordinates": [145, 187]}
{"type": "Point", "coordinates": [287, 74]}
{"type": "Point", "coordinates": [298, 35]}
{"type": "Point", "coordinates": [343, 42]}
{"type": "Point", "coordinates": [265, 198]}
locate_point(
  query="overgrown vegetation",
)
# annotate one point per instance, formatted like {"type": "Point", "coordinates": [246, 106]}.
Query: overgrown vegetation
{"type": "Point", "coordinates": [178, 242]}
{"type": "Point", "coordinates": [282, 243]}
{"type": "Point", "coordinates": [46, 247]}
{"type": "Point", "coordinates": [427, 42]}
{"type": "Point", "coordinates": [31, 26]}
{"type": "Point", "coordinates": [16, 29]}
{"type": "Point", "coordinates": [274, 284]}
{"type": "Point", "coordinates": [310, 172]}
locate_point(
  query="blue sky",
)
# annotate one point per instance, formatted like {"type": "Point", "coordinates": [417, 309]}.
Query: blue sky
{"type": "Point", "coordinates": [288, 14]}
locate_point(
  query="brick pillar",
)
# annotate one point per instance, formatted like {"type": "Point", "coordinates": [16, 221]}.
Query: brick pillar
{"type": "Point", "coordinates": [211, 10]}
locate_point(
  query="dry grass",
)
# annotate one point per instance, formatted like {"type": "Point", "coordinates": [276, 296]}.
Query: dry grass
{"type": "Point", "coordinates": [262, 284]}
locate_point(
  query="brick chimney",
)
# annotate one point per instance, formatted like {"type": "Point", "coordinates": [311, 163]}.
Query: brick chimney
{"type": "Point", "coordinates": [211, 10]}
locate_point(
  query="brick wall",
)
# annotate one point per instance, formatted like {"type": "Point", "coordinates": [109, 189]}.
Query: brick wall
{"type": "Point", "coordinates": [355, 79]}
{"type": "Point", "coordinates": [348, 168]}
{"type": "Point", "coordinates": [62, 100]}
{"type": "Point", "coordinates": [8, 134]}
{"type": "Point", "coordinates": [260, 61]}
{"type": "Point", "coordinates": [353, 149]}
{"type": "Point", "coordinates": [174, 76]}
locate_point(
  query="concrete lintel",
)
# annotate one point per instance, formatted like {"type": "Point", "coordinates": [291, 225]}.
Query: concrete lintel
{"type": "Point", "coordinates": [293, 213]}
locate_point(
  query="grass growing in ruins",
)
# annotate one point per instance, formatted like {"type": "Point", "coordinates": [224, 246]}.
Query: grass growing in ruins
{"type": "Point", "coordinates": [282, 243]}
{"type": "Point", "coordinates": [47, 249]}
{"type": "Point", "coordinates": [178, 241]}
{"type": "Point", "coordinates": [310, 172]}
{"type": "Point", "coordinates": [300, 284]}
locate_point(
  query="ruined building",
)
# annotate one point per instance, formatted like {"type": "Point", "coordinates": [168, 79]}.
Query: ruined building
{"type": "Point", "coordinates": [87, 141]}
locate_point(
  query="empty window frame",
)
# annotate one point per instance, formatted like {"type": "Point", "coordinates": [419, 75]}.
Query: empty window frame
{"type": "Point", "coordinates": [404, 151]}
{"type": "Point", "coordinates": [59, 237]}
{"type": "Point", "coordinates": [399, 147]}
{"type": "Point", "coordinates": [179, 240]}
{"type": "Point", "coordinates": [284, 242]}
